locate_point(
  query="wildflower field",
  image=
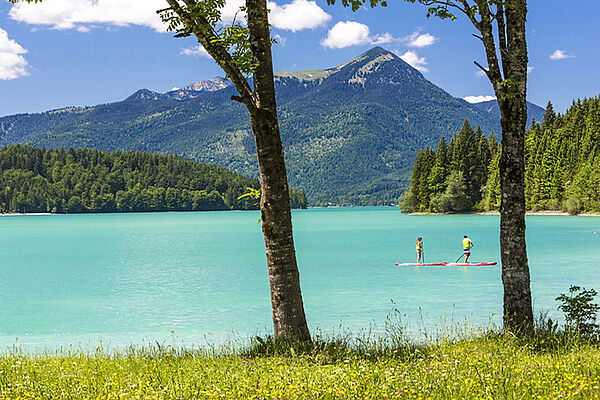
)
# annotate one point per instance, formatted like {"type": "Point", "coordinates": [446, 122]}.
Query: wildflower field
{"type": "Point", "coordinates": [488, 367]}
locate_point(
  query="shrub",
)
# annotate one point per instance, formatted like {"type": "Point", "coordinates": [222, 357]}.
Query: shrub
{"type": "Point", "coordinates": [572, 205]}
{"type": "Point", "coordinates": [580, 312]}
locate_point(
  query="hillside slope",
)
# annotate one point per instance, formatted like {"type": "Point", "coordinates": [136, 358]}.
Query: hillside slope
{"type": "Point", "coordinates": [350, 133]}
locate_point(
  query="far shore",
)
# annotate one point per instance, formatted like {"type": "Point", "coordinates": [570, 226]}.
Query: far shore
{"type": "Point", "coordinates": [13, 214]}
{"type": "Point", "coordinates": [552, 213]}
{"type": "Point", "coordinates": [561, 213]}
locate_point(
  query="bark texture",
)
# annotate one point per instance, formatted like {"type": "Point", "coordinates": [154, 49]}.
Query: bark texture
{"type": "Point", "coordinates": [518, 312]}
{"type": "Point", "coordinates": [286, 298]}
{"type": "Point", "coordinates": [289, 319]}
{"type": "Point", "coordinates": [508, 75]}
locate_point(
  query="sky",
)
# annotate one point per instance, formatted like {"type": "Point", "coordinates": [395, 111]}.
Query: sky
{"type": "Point", "coordinates": [85, 52]}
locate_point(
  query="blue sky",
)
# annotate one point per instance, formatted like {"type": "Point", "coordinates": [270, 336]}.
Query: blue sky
{"type": "Point", "coordinates": [86, 52]}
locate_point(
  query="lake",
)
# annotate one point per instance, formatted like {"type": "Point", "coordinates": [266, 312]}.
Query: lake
{"type": "Point", "coordinates": [197, 279]}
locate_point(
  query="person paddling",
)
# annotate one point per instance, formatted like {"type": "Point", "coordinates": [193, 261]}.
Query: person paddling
{"type": "Point", "coordinates": [419, 249]}
{"type": "Point", "coordinates": [467, 244]}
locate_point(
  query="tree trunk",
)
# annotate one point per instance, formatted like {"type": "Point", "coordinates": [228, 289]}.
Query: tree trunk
{"type": "Point", "coordinates": [286, 297]}
{"type": "Point", "coordinates": [518, 313]}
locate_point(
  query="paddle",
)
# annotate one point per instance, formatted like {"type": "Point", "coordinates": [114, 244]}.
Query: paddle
{"type": "Point", "coordinates": [461, 256]}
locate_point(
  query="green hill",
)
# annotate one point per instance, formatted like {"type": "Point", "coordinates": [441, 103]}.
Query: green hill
{"type": "Point", "coordinates": [350, 133]}
{"type": "Point", "coordinates": [86, 180]}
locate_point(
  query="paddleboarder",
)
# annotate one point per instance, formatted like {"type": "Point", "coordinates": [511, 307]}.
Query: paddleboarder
{"type": "Point", "coordinates": [467, 244]}
{"type": "Point", "coordinates": [419, 249]}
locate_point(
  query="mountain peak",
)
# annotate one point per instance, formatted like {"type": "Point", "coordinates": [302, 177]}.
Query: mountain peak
{"type": "Point", "coordinates": [379, 66]}
{"type": "Point", "coordinates": [379, 53]}
{"type": "Point", "coordinates": [376, 51]}
{"type": "Point", "coordinates": [188, 92]}
{"type": "Point", "coordinates": [376, 66]}
{"type": "Point", "coordinates": [211, 85]}
{"type": "Point", "coordinates": [145, 95]}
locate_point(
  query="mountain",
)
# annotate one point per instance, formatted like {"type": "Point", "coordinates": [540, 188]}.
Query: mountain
{"type": "Point", "coordinates": [211, 85]}
{"type": "Point", "coordinates": [188, 92]}
{"type": "Point", "coordinates": [350, 133]}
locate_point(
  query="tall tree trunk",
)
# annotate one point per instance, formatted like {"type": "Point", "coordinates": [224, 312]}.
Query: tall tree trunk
{"type": "Point", "coordinates": [286, 298]}
{"type": "Point", "coordinates": [518, 313]}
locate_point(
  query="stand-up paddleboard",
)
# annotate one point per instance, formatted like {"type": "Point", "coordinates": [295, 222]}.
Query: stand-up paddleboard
{"type": "Point", "coordinates": [475, 264]}
{"type": "Point", "coordinates": [441, 264]}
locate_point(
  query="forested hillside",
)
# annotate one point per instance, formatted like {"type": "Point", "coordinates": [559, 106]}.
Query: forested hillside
{"type": "Point", "coordinates": [84, 180]}
{"type": "Point", "coordinates": [562, 170]}
{"type": "Point", "coordinates": [350, 133]}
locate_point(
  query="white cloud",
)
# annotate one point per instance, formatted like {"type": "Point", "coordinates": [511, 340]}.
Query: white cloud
{"type": "Point", "coordinates": [198, 51]}
{"type": "Point", "coordinates": [414, 61]}
{"type": "Point", "coordinates": [529, 69]}
{"type": "Point", "coordinates": [418, 39]}
{"type": "Point", "coordinates": [478, 99]}
{"type": "Point", "coordinates": [344, 34]}
{"type": "Point", "coordinates": [383, 38]}
{"type": "Point", "coordinates": [231, 11]}
{"type": "Point", "coordinates": [297, 15]}
{"type": "Point", "coordinates": [560, 55]}
{"type": "Point", "coordinates": [82, 14]}
{"type": "Point", "coordinates": [12, 64]}
{"type": "Point", "coordinates": [350, 33]}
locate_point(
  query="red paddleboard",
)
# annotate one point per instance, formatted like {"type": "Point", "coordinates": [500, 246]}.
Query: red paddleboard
{"type": "Point", "coordinates": [476, 264]}
{"type": "Point", "coordinates": [442, 264]}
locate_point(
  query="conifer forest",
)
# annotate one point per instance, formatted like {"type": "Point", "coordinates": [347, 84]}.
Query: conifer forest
{"type": "Point", "coordinates": [562, 167]}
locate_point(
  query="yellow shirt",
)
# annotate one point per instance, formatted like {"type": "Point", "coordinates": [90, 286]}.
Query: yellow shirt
{"type": "Point", "coordinates": [419, 245]}
{"type": "Point", "coordinates": [467, 243]}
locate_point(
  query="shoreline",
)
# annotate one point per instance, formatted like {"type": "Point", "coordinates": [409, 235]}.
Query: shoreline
{"type": "Point", "coordinates": [16, 214]}
{"type": "Point", "coordinates": [548, 213]}
{"type": "Point", "coordinates": [534, 213]}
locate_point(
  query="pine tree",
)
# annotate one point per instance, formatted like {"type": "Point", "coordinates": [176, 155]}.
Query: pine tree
{"type": "Point", "coordinates": [439, 171]}
{"type": "Point", "coordinates": [492, 187]}
{"type": "Point", "coordinates": [464, 159]}
{"type": "Point", "coordinates": [549, 117]}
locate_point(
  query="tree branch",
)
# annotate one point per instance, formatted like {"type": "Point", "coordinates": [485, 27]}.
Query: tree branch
{"type": "Point", "coordinates": [502, 36]}
{"type": "Point", "coordinates": [205, 34]}
{"type": "Point", "coordinates": [485, 71]}
{"type": "Point", "coordinates": [487, 35]}
{"type": "Point", "coordinates": [470, 14]}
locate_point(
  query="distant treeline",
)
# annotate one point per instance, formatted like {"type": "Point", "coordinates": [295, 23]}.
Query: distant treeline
{"type": "Point", "coordinates": [85, 180]}
{"type": "Point", "coordinates": [562, 167]}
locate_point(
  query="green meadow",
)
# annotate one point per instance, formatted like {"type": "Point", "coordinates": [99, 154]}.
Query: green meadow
{"type": "Point", "coordinates": [485, 366]}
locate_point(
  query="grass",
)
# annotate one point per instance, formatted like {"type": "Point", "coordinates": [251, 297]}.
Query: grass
{"type": "Point", "coordinates": [483, 366]}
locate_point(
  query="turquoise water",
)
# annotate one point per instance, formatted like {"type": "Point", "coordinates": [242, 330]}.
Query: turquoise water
{"type": "Point", "coordinates": [200, 278]}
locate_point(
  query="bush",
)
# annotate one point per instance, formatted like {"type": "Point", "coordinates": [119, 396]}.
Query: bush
{"type": "Point", "coordinates": [579, 310]}
{"type": "Point", "coordinates": [454, 199]}
{"type": "Point", "coordinates": [572, 205]}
